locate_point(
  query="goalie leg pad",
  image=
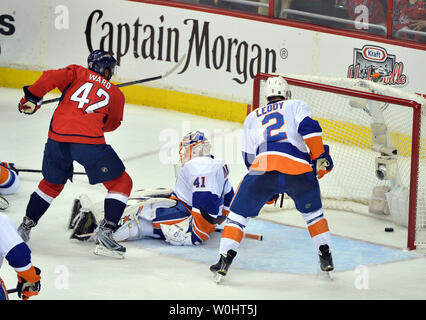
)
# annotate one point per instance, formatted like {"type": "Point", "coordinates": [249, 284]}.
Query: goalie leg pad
{"type": "Point", "coordinates": [176, 234]}
{"type": "Point", "coordinates": [85, 223]}
{"type": "Point", "coordinates": [146, 209]}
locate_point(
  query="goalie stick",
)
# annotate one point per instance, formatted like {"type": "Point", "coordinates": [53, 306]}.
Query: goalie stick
{"type": "Point", "coordinates": [258, 237]}
{"type": "Point", "coordinates": [39, 171]}
{"type": "Point", "coordinates": [4, 204]}
{"type": "Point", "coordinates": [253, 236]}
{"type": "Point", "coordinates": [125, 84]}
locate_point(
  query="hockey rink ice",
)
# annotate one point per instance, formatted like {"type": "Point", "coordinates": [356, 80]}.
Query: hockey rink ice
{"type": "Point", "coordinates": [369, 263]}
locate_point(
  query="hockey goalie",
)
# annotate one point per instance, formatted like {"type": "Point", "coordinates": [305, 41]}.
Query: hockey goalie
{"type": "Point", "coordinates": [186, 215]}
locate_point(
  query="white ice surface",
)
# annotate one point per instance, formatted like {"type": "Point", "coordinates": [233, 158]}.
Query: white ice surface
{"type": "Point", "coordinates": [70, 270]}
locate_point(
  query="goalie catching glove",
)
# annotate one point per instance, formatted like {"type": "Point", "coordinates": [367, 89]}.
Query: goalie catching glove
{"type": "Point", "coordinates": [30, 103]}
{"type": "Point", "coordinates": [323, 164]}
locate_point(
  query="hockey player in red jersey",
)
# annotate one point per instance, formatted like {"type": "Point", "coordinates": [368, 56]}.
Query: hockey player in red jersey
{"type": "Point", "coordinates": [90, 105]}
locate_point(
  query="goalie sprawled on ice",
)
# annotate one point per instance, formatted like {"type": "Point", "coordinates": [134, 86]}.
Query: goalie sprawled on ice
{"type": "Point", "coordinates": [186, 215]}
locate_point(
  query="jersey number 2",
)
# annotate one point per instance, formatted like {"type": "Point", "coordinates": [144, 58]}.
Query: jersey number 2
{"type": "Point", "coordinates": [269, 134]}
{"type": "Point", "coordinates": [81, 96]}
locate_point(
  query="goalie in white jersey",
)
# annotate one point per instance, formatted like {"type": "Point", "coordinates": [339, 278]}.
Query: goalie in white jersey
{"type": "Point", "coordinates": [9, 182]}
{"type": "Point", "coordinates": [186, 215]}
{"type": "Point", "coordinates": [284, 152]}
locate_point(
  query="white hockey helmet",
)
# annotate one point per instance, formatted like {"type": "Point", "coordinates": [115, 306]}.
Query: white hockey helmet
{"type": "Point", "coordinates": [276, 87]}
{"type": "Point", "coordinates": [193, 144]}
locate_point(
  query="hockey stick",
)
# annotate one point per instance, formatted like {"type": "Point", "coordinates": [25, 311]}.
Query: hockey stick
{"type": "Point", "coordinates": [125, 84]}
{"type": "Point", "coordinates": [12, 291]}
{"type": "Point", "coordinates": [248, 235]}
{"type": "Point", "coordinates": [258, 237]}
{"type": "Point", "coordinates": [39, 171]}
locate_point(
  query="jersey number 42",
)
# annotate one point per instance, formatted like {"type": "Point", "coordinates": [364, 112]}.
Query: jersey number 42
{"type": "Point", "coordinates": [81, 95]}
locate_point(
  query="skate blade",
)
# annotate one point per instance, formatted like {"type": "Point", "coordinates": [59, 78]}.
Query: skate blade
{"type": "Point", "coordinates": [102, 251]}
{"type": "Point", "coordinates": [329, 275]}
{"type": "Point", "coordinates": [217, 278]}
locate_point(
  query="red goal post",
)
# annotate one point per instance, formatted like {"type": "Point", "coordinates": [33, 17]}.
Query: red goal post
{"type": "Point", "coordinates": [358, 116]}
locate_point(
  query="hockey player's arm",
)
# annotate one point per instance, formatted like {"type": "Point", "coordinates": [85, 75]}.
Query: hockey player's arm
{"type": "Point", "coordinates": [311, 132]}
{"type": "Point", "coordinates": [248, 149]}
{"type": "Point", "coordinates": [115, 116]}
{"type": "Point", "coordinates": [19, 257]}
{"type": "Point", "coordinates": [18, 254]}
{"type": "Point", "coordinates": [48, 81]}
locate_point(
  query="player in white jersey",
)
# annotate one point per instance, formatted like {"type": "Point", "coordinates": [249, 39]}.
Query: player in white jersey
{"type": "Point", "coordinates": [199, 202]}
{"type": "Point", "coordinates": [284, 152]}
{"type": "Point", "coordinates": [9, 182]}
{"type": "Point", "coordinates": [17, 253]}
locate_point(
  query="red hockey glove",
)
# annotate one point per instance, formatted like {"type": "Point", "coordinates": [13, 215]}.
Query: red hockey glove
{"type": "Point", "coordinates": [28, 283]}
{"type": "Point", "coordinates": [30, 103]}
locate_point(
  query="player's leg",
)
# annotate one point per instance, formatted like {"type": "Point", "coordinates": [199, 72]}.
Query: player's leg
{"type": "Point", "coordinates": [103, 165]}
{"type": "Point", "coordinates": [304, 190]}
{"type": "Point", "coordinates": [144, 220]}
{"type": "Point", "coordinates": [253, 192]}
{"type": "Point", "coordinates": [57, 169]}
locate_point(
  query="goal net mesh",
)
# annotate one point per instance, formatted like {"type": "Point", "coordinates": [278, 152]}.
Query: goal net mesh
{"type": "Point", "coordinates": [347, 118]}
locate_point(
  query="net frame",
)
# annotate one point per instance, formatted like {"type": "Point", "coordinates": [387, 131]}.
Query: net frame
{"type": "Point", "coordinates": [323, 84]}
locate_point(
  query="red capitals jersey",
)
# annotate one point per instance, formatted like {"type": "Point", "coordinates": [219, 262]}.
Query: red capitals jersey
{"type": "Point", "coordinates": [90, 104]}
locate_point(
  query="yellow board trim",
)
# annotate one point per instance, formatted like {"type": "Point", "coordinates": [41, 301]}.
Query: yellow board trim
{"type": "Point", "coordinates": [215, 108]}
{"type": "Point", "coordinates": [148, 96]}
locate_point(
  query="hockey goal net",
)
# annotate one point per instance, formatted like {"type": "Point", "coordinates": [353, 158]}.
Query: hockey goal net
{"type": "Point", "coordinates": [377, 140]}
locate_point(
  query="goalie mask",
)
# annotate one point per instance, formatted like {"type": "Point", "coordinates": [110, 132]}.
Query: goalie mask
{"type": "Point", "coordinates": [193, 145]}
{"type": "Point", "coordinates": [277, 87]}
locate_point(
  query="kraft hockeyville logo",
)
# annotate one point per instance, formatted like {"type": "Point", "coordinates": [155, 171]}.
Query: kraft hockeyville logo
{"type": "Point", "coordinates": [373, 59]}
{"type": "Point", "coordinates": [160, 42]}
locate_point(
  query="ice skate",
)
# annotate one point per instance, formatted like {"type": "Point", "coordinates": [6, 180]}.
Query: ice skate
{"type": "Point", "coordinates": [326, 260]}
{"type": "Point", "coordinates": [105, 243]}
{"type": "Point", "coordinates": [25, 228]}
{"type": "Point", "coordinates": [220, 269]}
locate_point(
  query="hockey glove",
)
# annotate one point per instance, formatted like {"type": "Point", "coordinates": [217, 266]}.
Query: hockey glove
{"type": "Point", "coordinates": [323, 164]}
{"type": "Point", "coordinates": [10, 166]}
{"type": "Point", "coordinates": [28, 283]}
{"type": "Point", "coordinates": [30, 103]}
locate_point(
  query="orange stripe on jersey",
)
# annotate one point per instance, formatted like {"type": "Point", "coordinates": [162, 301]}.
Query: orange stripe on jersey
{"type": "Point", "coordinates": [275, 162]}
{"type": "Point", "coordinates": [318, 227]}
{"type": "Point", "coordinates": [201, 226]}
{"type": "Point", "coordinates": [315, 146]}
{"type": "Point", "coordinates": [157, 224]}
{"type": "Point", "coordinates": [4, 175]}
{"type": "Point", "coordinates": [232, 233]}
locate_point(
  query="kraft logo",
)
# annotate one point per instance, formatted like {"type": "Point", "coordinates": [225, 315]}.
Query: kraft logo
{"type": "Point", "coordinates": [374, 53]}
